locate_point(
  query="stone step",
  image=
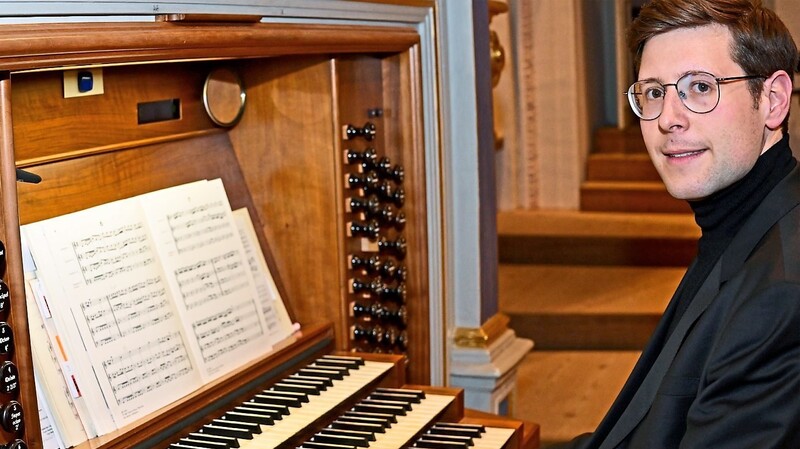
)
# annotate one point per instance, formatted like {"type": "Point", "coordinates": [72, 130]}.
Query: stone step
{"type": "Point", "coordinates": [621, 167]}
{"type": "Point", "coordinates": [568, 392]}
{"type": "Point", "coordinates": [640, 197]}
{"type": "Point", "coordinates": [596, 238]}
{"type": "Point", "coordinates": [585, 307]}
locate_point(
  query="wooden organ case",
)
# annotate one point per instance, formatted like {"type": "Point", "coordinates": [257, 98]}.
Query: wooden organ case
{"type": "Point", "coordinates": [327, 157]}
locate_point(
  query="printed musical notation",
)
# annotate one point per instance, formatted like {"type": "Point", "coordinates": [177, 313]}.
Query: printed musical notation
{"type": "Point", "coordinates": [211, 279]}
{"type": "Point", "coordinates": [147, 368]}
{"type": "Point", "coordinates": [152, 297]}
{"type": "Point", "coordinates": [275, 315]}
{"type": "Point", "coordinates": [199, 226]}
{"type": "Point", "coordinates": [127, 311]}
{"type": "Point", "coordinates": [226, 330]}
{"type": "Point", "coordinates": [103, 256]}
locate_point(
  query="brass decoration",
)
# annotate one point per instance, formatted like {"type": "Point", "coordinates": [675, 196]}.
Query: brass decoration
{"type": "Point", "coordinates": [483, 336]}
{"type": "Point", "coordinates": [497, 58]}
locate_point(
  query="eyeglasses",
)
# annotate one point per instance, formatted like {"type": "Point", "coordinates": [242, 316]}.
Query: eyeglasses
{"type": "Point", "coordinates": [698, 91]}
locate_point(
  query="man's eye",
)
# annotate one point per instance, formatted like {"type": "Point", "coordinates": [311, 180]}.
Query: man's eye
{"type": "Point", "coordinates": [654, 93]}
{"type": "Point", "coordinates": [702, 87]}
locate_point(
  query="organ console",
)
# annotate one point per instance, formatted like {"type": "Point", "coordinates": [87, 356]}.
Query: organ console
{"type": "Point", "coordinates": [280, 158]}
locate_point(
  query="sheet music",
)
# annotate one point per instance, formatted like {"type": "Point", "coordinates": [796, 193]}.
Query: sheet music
{"type": "Point", "coordinates": [51, 439]}
{"type": "Point", "coordinates": [50, 385]}
{"type": "Point", "coordinates": [105, 272]}
{"type": "Point", "coordinates": [196, 237]}
{"type": "Point", "coordinates": [151, 297]}
{"type": "Point", "coordinates": [279, 325]}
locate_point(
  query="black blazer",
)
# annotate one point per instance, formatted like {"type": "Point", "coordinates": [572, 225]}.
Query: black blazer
{"type": "Point", "coordinates": [729, 374]}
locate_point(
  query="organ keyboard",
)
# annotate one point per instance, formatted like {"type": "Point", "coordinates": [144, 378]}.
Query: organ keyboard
{"type": "Point", "coordinates": [343, 402]}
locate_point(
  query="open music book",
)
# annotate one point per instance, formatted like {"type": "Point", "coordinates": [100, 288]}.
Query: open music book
{"type": "Point", "coordinates": [144, 300]}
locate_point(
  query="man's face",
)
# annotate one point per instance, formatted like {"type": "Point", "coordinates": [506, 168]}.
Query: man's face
{"type": "Point", "coordinates": [699, 154]}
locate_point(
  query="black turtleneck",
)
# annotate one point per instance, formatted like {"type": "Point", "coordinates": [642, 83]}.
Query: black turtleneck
{"type": "Point", "coordinates": [722, 214]}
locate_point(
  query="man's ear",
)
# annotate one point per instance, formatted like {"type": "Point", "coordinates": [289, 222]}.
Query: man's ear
{"type": "Point", "coordinates": [778, 90]}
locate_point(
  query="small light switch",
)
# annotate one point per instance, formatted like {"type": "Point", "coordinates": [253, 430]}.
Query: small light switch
{"type": "Point", "coordinates": [85, 81]}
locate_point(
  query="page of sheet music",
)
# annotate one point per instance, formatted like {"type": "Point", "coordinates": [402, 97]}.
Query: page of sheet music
{"type": "Point", "coordinates": [199, 244]}
{"type": "Point", "coordinates": [51, 439]}
{"type": "Point", "coordinates": [100, 265]}
{"type": "Point", "coordinates": [279, 325]}
{"type": "Point", "coordinates": [64, 416]}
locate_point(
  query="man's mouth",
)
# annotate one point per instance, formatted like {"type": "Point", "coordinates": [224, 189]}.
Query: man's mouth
{"type": "Point", "coordinates": [684, 154]}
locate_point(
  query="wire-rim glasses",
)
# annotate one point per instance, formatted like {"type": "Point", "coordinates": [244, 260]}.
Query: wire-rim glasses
{"type": "Point", "coordinates": [698, 91]}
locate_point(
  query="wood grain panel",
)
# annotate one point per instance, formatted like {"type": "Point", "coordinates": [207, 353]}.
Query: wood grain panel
{"type": "Point", "coordinates": [47, 125]}
{"type": "Point", "coordinates": [401, 90]}
{"type": "Point", "coordinates": [284, 144]}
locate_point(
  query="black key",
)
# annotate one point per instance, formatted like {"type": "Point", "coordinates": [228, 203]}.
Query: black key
{"type": "Point", "coordinates": [333, 364]}
{"type": "Point", "coordinates": [319, 384]}
{"type": "Point", "coordinates": [403, 404]}
{"type": "Point", "coordinates": [373, 406]}
{"type": "Point", "coordinates": [184, 446]}
{"type": "Point", "coordinates": [226, 431]}
{"type": "Point", "coordinates": [273, 399]}
{"type": "Point", "coordinates": [474, 427]}
{"type": "Point", "coordinates": [353, 361]}
{"type": "Point", "coordinates": [418, 393]}
{"type": "Point", "coordinates": [445, 429]}
{"type": "Point", "coordinates": [451, 438]}
{"type": "Point", "coordinates": [353, 424]}
{"type": "Point", "coordinates": [296, 388]}
{"type": "Point", "coordinates": [367, 436]}
{"type": "Point", "coordinates": [302, 397]}
{"type": "Point", "coordinates": [229, 441]}
{"type": "Point", "coordinates": [204, 444]}
{"type": "Point", "coordinates": [312, 376]}
{"type": "Point", "coordinates": [339, 439]}
{"type": "Point", "coordinates": [319, 372]}
{"type": "Point", "coordinates": [276, 411]}
{"type": "Point", "coordinates": [256, 418]}
{"type": "Point", "coordinates": [409, 398]}
{"type": "Point", "coordinates": [387, 417]}
{"type": "Point", "coordinates": [244, 425]}
{"type": "Point", "coordinates": [436, 444]}
{"type": "Point", "coordinates": [319, 445]}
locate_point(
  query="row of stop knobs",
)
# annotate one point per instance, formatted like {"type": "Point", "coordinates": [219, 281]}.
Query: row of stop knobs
{"type": "Point", "coordinates": [377, 282]}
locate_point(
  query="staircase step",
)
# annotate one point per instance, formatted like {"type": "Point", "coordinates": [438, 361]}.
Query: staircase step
{"type": "Point", "coordinates": [615, 140]}
{"type": "Point", "coordinates": [596, 238]}
{"type": "Point", "coordinates": [621, 167]}
{"type": "Point", "coordinates": [644, 197]}
{"type": "Point", "coordinates": [568, 392]}
{"type": "Point", "coordinates": [585, 307]}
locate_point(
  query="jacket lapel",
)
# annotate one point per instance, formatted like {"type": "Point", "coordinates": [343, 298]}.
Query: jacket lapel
{"type": "Point", "coordinates": [646, 393]}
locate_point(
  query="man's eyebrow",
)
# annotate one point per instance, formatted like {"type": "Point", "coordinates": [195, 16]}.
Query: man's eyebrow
{"type": "Point", "coordinates": [680, 75]}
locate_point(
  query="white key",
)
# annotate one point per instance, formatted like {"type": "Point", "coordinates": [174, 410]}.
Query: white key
{"type": "Point", "coordinates": [421, 416]}
{"type": "Point", "coordinates": [493, 438]}
{"type": "Point", "coordinates": [316, 407]}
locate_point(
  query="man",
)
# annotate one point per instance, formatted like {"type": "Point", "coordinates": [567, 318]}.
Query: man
{"type": "Point", "coordinates": [722, 369]}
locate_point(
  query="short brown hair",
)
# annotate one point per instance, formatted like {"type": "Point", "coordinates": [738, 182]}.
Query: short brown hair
{"type": "Point", "coordinates": [761, 43]}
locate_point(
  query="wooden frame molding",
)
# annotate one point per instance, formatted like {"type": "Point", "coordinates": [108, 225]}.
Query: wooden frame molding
{"type": "Point", "coordinates": [33, 47]}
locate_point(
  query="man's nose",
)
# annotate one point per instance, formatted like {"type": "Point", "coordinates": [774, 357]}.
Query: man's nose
{"type": "Point", "coordinates": [674, 112]}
